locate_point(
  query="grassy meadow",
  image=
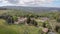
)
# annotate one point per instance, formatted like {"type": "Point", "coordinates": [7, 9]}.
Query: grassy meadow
{"type": "Point", "coordinates": [6, 28]}
{"type": "Point", "coordinates": [16, 29]}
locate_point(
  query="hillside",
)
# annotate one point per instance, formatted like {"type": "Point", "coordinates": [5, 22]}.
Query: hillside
{"type": "Point", "coordinates": [49, 18]}
{"type": "Point", "coordinates": [34, 9]}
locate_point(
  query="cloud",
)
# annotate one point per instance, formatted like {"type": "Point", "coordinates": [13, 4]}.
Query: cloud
{"type": "Point", "coordinates": [27, 2]}
{"type": "Point", "coordinates": [13, 1]}
{"type": "Point", "coordinates": [33, 2]}
{"type": "Point", "coordinates": [4, 3]}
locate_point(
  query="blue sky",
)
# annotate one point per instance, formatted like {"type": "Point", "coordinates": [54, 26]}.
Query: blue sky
{"type": "Point", "coordinates": [38, 3]}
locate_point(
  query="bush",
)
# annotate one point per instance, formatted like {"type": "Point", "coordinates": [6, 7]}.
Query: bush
{"type": "Point", "coordinates": [33, 22]}
{"type": "Point", "coordinates": [57, 28]}
{"type": "Point", "coordinates": [10, 20]}
{"type": "Point", "coordinates": [15, 18]}
{"type": "Point", "coordinates": [28, 20]}
{"type": "Point", "coordinates": [58, 20]}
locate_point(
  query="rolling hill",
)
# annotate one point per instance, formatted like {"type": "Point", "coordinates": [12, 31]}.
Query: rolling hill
{"type": "Point", "coordinates": [35, 9]}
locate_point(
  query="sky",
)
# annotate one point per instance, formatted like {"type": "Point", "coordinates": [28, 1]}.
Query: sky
{"type": "Point", "coordinates": [31, 3]}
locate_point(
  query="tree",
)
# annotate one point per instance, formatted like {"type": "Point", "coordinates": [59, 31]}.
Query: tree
{"type": "Point", "coordinates": [57, 28]}
{"type": "Point", "coordinates": [33, 22]}
{"type": "Point", "coordinates": [28, 20]}
{"type": "Point", "coordinates": [58, 18]}
{"type": "Point", "coordinates": [15, 18]}
{"type": "Point", "coordinates": [10, 20]}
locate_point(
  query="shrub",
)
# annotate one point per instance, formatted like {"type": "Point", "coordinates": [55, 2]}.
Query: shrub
{"type": "Point", "coordinates": [57, 28]}
{"type": "Point", "coordinates": [28, 20]}
{"type": "Point", "coordinates": [33, 22]}
{"type": "Point", "coordinates": [58, 20]}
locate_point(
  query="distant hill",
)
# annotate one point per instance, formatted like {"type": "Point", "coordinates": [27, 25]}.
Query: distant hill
{"type": "Point", "coordinates": [34, 9]}
{"type": "Point", "coordinates": [3, 8]}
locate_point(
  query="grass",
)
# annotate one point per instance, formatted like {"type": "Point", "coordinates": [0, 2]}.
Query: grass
{"type": "Point", "coordinates": [20, 29]}
{"type": "Point", "coordinates": [17, 29]}
{"type": "Point", "coordinates": [4, 29]}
